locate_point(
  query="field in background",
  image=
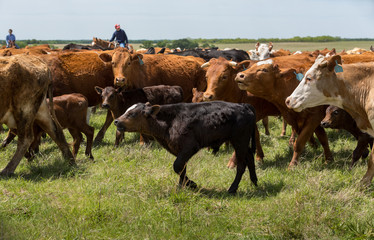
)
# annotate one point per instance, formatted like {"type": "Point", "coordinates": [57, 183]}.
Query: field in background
{"type": "Point", "coordinates": [131, 192]}
{"type": "Point", "coordinates": [292, 46]}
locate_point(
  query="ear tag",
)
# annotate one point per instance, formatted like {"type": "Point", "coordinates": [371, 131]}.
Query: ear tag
{"type": "Point", "coordinates": [299, 76]}
{"type": "Point", "coordinates": [338, 68]}
{"type": "Point", "coordinates": [140, 61]}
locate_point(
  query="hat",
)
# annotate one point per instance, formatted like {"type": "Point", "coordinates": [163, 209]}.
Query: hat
{"type": "Point", "coordinates": [117, 26]}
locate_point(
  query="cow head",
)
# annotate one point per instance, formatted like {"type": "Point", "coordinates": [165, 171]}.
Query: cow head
{"type": "Point", "coordinates": [220, 78]}
{"type": "Point", "coordinates": [335, 117]}
{"type": "Point", "coordinates": [135, 119]}
{"type": "Point", "coordinates": [317, 87]}
{"type": "Point", "coordinates": [109, 97]}
{"type": "Point", "coordinates": [260, 78]}
{"type": "Point", "coordinates": [124, 65]}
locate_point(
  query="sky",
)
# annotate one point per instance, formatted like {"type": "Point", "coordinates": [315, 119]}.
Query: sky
{"type": "Point", "coordinates": [177, 19]}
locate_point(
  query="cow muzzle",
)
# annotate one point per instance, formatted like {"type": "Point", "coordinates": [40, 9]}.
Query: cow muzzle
{"type": "Point", "coordinates": [208, 97]}
{"type": "Point", "coordinates": [325, 124]}
{"type": "Point", "coordinates": [120, 126]}
{"type": "Point", "coordinates": [120, 81]}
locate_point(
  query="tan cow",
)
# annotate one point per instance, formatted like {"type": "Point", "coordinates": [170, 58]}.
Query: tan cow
{"type": "Point", "coordinates": [24, 82]}
{"type": "Point", "coordinates": [351, 90]}
{"type": "Point", "coordinates": [138, 70]}
{"type": "Point", "coordinates": [274, 80]}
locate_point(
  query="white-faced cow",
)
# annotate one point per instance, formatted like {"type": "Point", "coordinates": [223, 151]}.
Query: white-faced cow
{"type": "Point", "coordinates": [349, 87]}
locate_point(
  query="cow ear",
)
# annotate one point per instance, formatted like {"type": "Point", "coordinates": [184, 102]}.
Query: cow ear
{"type": "Point", "coordinates": [257, 45]}
{"type": "Point", "coordinates": [332, 61]}
{"type": "Point", "coordinates": [270, 46]}
{"type": "Point", "coordinates": [194, 91]}
{"type": "Point", "coordinates": [105, 57]}
{"type": "Point", "coordinates": [151, 111]}
{"type": "Point", "coordinates": [99, 90]}
{"type": "Point", "coordinates": [244, 65]}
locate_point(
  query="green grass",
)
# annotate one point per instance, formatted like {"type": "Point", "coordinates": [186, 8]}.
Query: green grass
{"type": "Point", "coordinates": [131, 192]}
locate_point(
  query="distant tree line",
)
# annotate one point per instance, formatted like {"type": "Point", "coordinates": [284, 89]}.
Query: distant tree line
{"type": "Point", "coordinates": [189, 43]}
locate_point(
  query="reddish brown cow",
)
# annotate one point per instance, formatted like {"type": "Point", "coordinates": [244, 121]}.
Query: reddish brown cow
{"type": "Point", "coordinates": [275, 80]}
{"type": "Point", "coordinates": [220, 77]}
{"type": "Point", "coordinates": [24, 85]}
{"type": "Point", "coordinates": [337, 118]}
{"type": "Point", "coordinates": [138, 70]}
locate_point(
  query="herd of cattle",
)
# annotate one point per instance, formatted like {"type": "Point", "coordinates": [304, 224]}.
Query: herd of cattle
{"type": "Point", "coordinates": [186, 100]}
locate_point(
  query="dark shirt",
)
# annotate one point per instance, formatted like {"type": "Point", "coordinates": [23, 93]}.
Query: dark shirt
{"type": "Point", "coordinates": [120, 36]}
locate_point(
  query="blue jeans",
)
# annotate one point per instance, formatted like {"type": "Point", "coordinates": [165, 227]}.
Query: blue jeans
{"type": "Point", "coordinates": [122, 45]}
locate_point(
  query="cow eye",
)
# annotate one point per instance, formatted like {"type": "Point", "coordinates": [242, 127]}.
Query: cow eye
{"type": "Point", "coordinates": [336, 112]}
{"type": "Point", "coordinates": [308, 79]}
{"type": "Point", "coordinates": [129, 63]}
{"type": "Point", "coordinates": [264, 70]}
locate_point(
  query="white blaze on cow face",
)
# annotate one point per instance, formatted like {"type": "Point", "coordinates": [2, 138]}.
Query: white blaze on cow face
{"type": "Point", "coordinates": [307, 94]}
{"type": "Point", "coordinates": [131, 108]}
{"type": "Point", "coordinates": [270, 61]}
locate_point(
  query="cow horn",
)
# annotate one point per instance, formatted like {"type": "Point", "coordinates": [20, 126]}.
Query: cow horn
{"type": "Point", "coordinates": [207, 64]}
{"type": "Point", "coordinates": [233, 64]}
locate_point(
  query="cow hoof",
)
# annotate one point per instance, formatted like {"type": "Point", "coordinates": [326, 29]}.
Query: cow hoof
{"type": "Point", "coordinates": [231, 165]}
{"type": "Point", "coordinates": [232, 191]}
{"type": "Point", "coordinates": [292, 165]}
{"type": "Point", "coordinates": [259, 159]}
{"type": "Point", "coordinates": [191, 184]}
{"type": "Point", "coordinates": [6, 174]}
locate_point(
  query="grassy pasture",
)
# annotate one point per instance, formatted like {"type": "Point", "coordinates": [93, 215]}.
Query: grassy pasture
{"type": "Point", "coordinates": [131, 192]}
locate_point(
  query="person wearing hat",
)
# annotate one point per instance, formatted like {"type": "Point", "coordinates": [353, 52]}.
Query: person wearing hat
{"type": "Point", "coordinates": [120, 36]}
{"type": "Point", "coordinates": [11, 40]}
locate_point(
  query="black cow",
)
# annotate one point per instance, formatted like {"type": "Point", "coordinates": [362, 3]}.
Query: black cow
{"type": "Point", "coordinates": [71, 46]}
{"type": "Point", "coordinates": [118, 101]}
{"type": "Point", "coordinates": [337, 118]}
{"type": "Point", "coordinates": [207, 54]}
{"type": "Point", "coordinates": [184, 128]}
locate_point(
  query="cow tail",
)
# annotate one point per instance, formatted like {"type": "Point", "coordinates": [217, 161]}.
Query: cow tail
{"type": "Point", "coordinates": [253, 145]}
{"type": "Point", "coordinates": [50, 97]}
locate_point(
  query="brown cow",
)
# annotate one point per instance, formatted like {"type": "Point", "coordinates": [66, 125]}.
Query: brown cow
{"type": "Point", "coordinates": [24, 85]}
{"type": "Point", "coordinates": [118, 101]}
{"type": "Point", "coordinates": [71, 113]}
{"type": "Point", "coordinates": [220, 78]}
{"type": "Point", "coordinates": [337, 118]}
{"type": "Point", "coordinates": [138, 70]}
{"type": "Point", "coordinates": [273, 81]}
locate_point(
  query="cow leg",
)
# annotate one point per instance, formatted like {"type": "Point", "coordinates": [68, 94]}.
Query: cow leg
{"type": "Point", "coordinates": [34, 147]}
{"type": "Point", "coordinates": [368, 177]}
{"type": "Point", "coordinates": [322, 137]}
{"type": "Point", "coordinates": [100, 135]}
{"type": "Point", "coordinates": [265, 122]}
{"type": "Point", "coordinates": [291, 141]}
{"type": "Point", "coordinates": [361, 149]}
{"type": "Point", "coordinates": [180, 166]}
{"type": "Point", "coordinates": [25, 137]}
{"type": "Point", "coordinates": [89, 132]}
{"type": "Point", "coordinates": [284, 128]}
{"type": "Point", "coordinates": [77, 136]}
{"type": "Point", "coordinates": [44, 120]}
{"type": "Point", "coordinates": [240, 169]}
{"type": "Point", "coordinates": [119, 137]}
{"type": "Point", "coordinates": [259, 152]}
{"type": "Point", "coordinates": [300, 142]}
{"type": "Point", "coordinates": [9, 138]}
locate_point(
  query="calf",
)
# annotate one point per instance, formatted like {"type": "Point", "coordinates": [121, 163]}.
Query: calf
{"type": "Point", "coordinates": [118, 101]}
{"type": "Point", "coordinates": [338, 118]}
{"type": "Point", "coordinates": [71, 113]}
{"type": "Point", "coordinates": [184, 128]}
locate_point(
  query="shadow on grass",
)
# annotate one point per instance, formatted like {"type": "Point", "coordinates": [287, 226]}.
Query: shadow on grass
{"type": "Point", "coordinates": [264, 190]}
{"type": "Point", "coordinates": [53, 170]}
